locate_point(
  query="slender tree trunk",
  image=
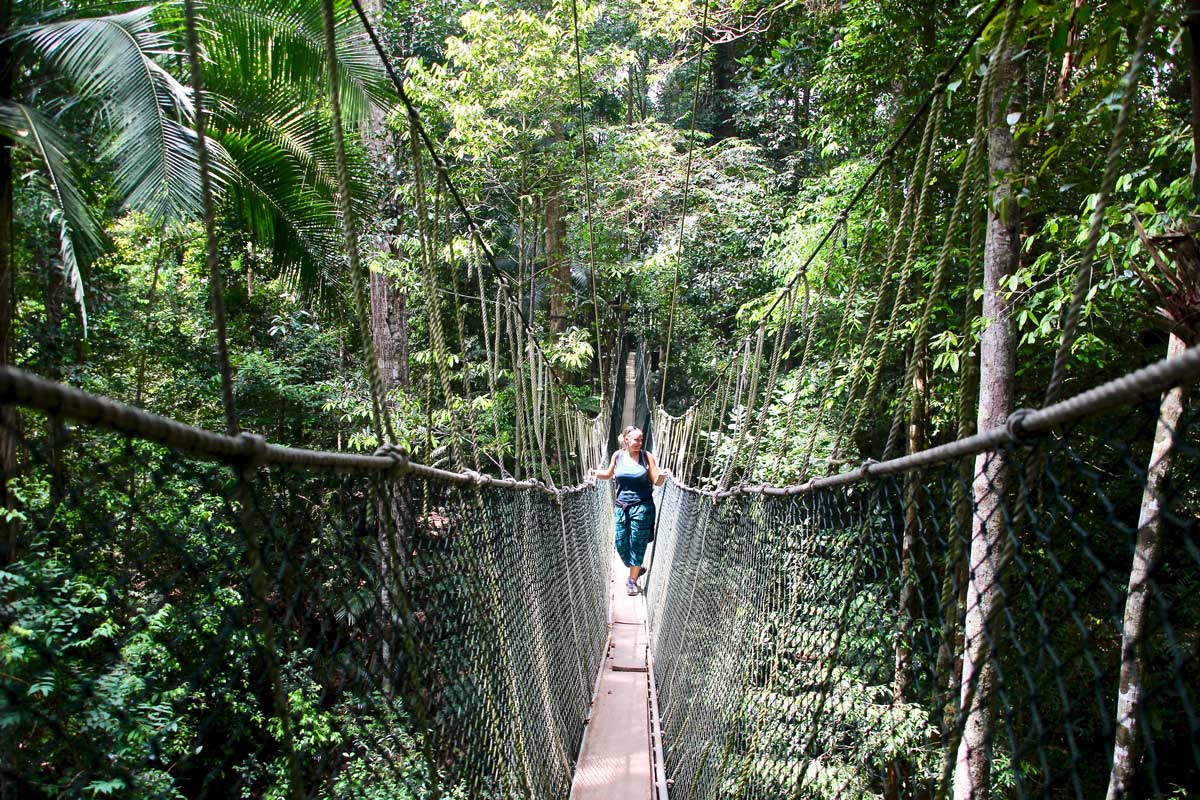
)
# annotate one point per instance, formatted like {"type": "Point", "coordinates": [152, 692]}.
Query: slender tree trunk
{"type": "Point", "coordinates": [8, 414]}
{"type": "Point", "coordinates": [52, 358]}
{"type": "Point", "coordinates": [1192, 22]}
{"type": "Point", "coordinates": [1149, 546]}
{"type": "Point", "coordinates": [1068, 62]}
{"type": "Point", "coordinates": [996, 353]}
{"type": "Point", "coordinates": [1147, 553]}
{"type": "Point", "coordinates": [558, 266]}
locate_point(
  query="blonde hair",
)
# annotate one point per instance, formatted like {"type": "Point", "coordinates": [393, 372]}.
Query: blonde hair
{"type": "Point", "coordinates": [625, 433]}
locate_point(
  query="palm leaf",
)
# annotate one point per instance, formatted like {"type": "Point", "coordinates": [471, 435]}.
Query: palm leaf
{"type": "Point", "coordinates": [273, 41]}
{"type": "Point", "coordinates": [78, 229]}
{"type": "Point", "coordinates": [113, 61]}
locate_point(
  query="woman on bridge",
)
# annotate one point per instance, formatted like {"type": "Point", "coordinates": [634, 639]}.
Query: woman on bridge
{"type": "Point", "coordinates": [637, 474]}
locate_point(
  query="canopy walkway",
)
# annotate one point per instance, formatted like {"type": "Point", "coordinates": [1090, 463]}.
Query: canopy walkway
{"type": "Point", "coordinates": [1009, 613]}
{"type": "Point", "coordinates": [803, 637]}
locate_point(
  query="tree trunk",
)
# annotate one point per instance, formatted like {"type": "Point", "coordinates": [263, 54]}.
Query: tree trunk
{"type": "Point", "coordinates": [1146, 556]}
{"type": "Point", "coordinates": [52, 358]}
{"type": "Point", "coordinates": [8, 414]}
{"type": "Point", "coordinates": [724, 98]}
{"type": "Point", "coordinates": [558, 266]}
{"type": "Point", "coordinates": [1068, 62]}
{"type": "Point", "coordinates": [996, 354]}
{"type": "Point", "coordinates": [1192, 22]}
{"type": "Point", "coordinates": [389, 321]}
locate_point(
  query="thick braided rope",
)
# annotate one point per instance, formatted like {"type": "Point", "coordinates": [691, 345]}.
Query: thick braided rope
{"type": "Point", "coordinates": [971, 167]}
{"type": "Point", "coordinates": [1083, 279]}
{"type": "Point", "coordinates": [906, 273]}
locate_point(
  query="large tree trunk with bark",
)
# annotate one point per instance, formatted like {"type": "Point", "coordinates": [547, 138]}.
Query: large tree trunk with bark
{"type": "Point", "coordinates": [389, 320]}
{"type": "Point", "coordinates": [8, 414]}
{"type": "Point", "coordinates": [389, 326]}
{"type": "Point", "coordinates": [997, 346]}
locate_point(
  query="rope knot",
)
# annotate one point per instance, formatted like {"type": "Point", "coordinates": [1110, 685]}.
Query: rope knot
{"type": "Point", "coordinates": [866, 466]}
{"type": "Point", "coordinates": [398, 456]}
{"type": "Point", "coordinates": [254, 450]}
{"type": "Point", "coordinates": [1015, 426]}
{"type": "Point", "coordinates": [477, 478]}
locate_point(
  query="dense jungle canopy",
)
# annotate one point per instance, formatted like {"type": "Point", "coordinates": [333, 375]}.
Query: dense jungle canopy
{"type": "Point", "coordinates": [763, 117]}
{"type": "Point", "coordinates": [632, 172]}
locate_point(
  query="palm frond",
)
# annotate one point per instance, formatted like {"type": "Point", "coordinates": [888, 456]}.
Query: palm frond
{"type": "Point", "coordinates": [273, 41]}
{"type": "Point", "coordinates": [113, 61]}
{"type": "Point", "coordinates": [78, 228]}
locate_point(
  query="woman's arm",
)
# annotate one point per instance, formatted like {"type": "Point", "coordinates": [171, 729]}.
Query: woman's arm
{"type": "Point", "coordinates": [657, 476]}
{"type": "Point", "coordinates": [606, 474]}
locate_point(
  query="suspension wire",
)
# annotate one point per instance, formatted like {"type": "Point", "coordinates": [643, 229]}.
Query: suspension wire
{"type": "Point", "coordinates": [587, 188]}
{"type": "Point", "coordinates": [687, 182]}
{"type": "Point", "coordinates": [904, 282]}
{"type": "Point", "coordinates": [244, 471]}
{"type": "Point", "coordinates": [381, 416]}
{"type": "Point", "coordinates": [1083, 280]}
{"type": "Point", "coordinates": [433, 305]}
{"type": "Point", "coordinates": [855, 374]}
{"type": "Point", "coordinates": [847, 312]}
{"type": "Point", "coordinates": [781, 342]}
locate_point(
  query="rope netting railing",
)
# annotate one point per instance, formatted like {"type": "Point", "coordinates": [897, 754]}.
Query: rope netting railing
{"type": "Point", "coordinates": [884, 633]}
{"type": "Point", "coordinates": [194, 615]}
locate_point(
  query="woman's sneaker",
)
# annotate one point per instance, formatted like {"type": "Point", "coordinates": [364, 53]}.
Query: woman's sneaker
{"type": "Point", "coordinates": [631, 587]}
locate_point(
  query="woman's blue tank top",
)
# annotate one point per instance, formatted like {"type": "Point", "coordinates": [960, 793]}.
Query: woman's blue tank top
{"type": "Point", "coordinates": [633, 479]}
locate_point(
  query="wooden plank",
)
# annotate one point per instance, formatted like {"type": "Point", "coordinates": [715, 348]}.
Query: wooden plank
{"type": "Point", "coordinates": [615, 762]}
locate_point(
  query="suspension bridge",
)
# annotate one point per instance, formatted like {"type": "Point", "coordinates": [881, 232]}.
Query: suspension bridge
{"type": "Point", "coordinates": [814, 623]}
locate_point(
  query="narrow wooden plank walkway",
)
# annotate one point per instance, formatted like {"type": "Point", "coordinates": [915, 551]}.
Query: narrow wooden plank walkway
{"type": "Point", "coordinates": [615, 762]}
